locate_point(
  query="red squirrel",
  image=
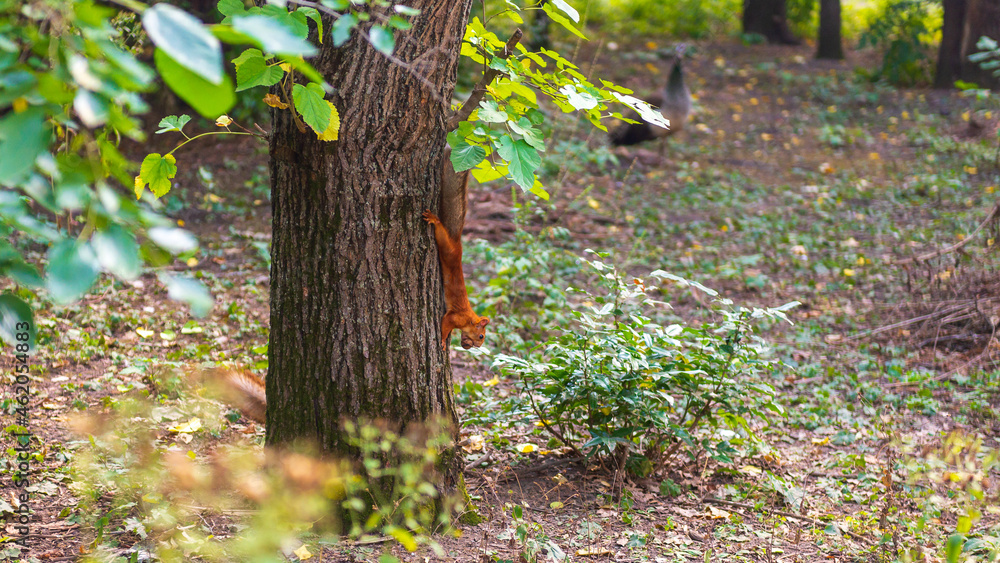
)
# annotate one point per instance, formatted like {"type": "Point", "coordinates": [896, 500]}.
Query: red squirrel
{"type": "Point", "coordinates": [448, 235]}
{"type": "Point", "coordinates": [243, 389]}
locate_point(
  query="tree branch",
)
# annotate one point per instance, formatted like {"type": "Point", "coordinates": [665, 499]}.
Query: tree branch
{"type": "Point", "coordinates": [472, 103]}
{"type": "Point", "coordinates": [949, 249]}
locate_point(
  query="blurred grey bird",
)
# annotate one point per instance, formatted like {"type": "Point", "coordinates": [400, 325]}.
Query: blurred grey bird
{"type": "Point", "coordinates": [674, 103]}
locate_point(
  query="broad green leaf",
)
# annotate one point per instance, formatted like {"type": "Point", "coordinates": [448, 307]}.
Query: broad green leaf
{"type": "Point", "coordinates": [185, 39]}
{"type": "Point", "coordinates": [117, 252]}
{"type": "Point", "coordinates": [72, 269]}
{"type": "Point", "coordinates": [382, 39]}
{"type": "Point", "coordinates": [156, 170]}
{"type": "Point", "coordinates": [188, 291]}
{"type": "Point", "coordinates": [91, 107]}
{"type": "Point", "coordinates": [580, 100]}
{"type": "Point", "coordinates": [532, 136]}
{"type": "Point", "coordinates": [406, 10]}
{"type": "Point", "coordinates": [953, 547]}
{"type": "Point", "coordinates": [311, 106]}
{"type": "Point", "coordinates": [570, 10]}
{"type": "Point", "coordinates": [465, 156]}
{"type": "Point", "coordinates": [315, 16]}
{"type": "Point", "coordinates": [341, 29]}
{"type": "Point", "coordinates": [16, 320]}
{"type": "Point", "coordinates": [562, 20]}
{"type": "Point", "coordinates": [490, 112]}
{"type": "Point", "coordinates": [172, 239]}
{"type": "Point", "coordinates": [399, 23]}
{"type": "Point", "coordinates": [210, 100]}
{"type": "Point", "coordinates": [232, 7]}
{"type": "Point", "coordinates": [23, 136]}
{"type": "Point", "coordinates": [272, 36]}
{"type": "Point", "coordinates": [22, 273]}
{"type": "Point", "coordinates": [173, 123]}
{"type": "Point", "coordinates": [645, 111]}
{"type": "Point", "coordinates": [522, 160]}
{"type": "Point", "coordinates": [485, 171]}
{"type": "Point", "coordinates": [252, 70]}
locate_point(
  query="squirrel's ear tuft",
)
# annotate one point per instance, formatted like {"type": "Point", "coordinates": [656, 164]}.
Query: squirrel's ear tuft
{"type": "Point", "coordinates": [483, 322]}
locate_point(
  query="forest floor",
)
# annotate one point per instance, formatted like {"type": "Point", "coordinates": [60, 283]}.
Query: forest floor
{"type": "Point", "coordinates": [796, 180]}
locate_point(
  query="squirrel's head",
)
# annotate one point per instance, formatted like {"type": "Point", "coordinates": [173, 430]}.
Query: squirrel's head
{"type": "Point", "coordinates": [474, 334]}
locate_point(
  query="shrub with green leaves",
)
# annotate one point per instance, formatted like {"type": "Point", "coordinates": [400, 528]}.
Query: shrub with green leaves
{"type": "Point", "coordinates": [155, 470]}
{"type": "Point", "coordinates": [618, 385]}
{"type": "Point", "coordinates": [904, 32]}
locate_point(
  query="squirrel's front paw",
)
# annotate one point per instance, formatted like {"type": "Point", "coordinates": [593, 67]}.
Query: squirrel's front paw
{"type": "Point", "coordinates": [431, 218]}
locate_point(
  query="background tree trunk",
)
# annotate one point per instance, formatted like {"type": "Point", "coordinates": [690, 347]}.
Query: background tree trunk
{"type": "Point", "coordinates": [830, 44]}
{"type": "Point", "coordinates": [768, 18]}
{"type": "Point", "coordinates": [356, 298]}
{"type": "Point", "coordinates": [949, 63]}
{"type": "Point", "coordinates": [982, 18]}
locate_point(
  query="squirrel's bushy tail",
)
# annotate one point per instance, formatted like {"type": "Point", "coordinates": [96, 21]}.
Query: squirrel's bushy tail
{"type": "Point", "coordinates": [244, 390]}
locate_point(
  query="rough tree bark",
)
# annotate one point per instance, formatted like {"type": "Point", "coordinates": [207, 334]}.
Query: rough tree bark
{"type": "Point", "coordinates": [356, 299]}
{"type": "Point", "coordinates": [830, 45]}
{"type": "Point", "coordinates": [770, 19]}
{"type": "Point", "coordinates": [982, 18]}
{"type": "Point", "coordinates": [949, 63]}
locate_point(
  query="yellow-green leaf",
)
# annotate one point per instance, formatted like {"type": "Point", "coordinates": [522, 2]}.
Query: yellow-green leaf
{"type": "Point", "coordinates": [332, 131]}
{"type": "Point", "coordinates": [156, 171]}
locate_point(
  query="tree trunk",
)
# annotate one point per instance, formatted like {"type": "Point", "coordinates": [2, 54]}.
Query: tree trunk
{"type": "Point", "coordinates": [768, 18]}
{"type": "Point", "coordinates": [949, 63]}
{"type": "Point", "coordinates": [830, 45]}
{"type": "Point", "coordinates": [982, 18]}
{"type": "Point", "coordinates": [356, 297]}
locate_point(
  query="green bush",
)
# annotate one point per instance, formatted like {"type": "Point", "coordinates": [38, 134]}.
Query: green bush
{"type": "Point", "coordinates": [905, 34]}
{"type": "Point", "coordinates": [152, 473]}
{"type": "Point", "coordinates": [617, 385]}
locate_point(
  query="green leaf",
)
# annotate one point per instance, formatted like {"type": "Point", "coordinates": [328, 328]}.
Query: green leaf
{"type": "Point", "coordinates": [310, 104]}
{"type": "Point", "coordinates": [91, 107]}
{"type": "Point", "coordinates": [490, 112]}
{"type": "Point", "coordinates": [189, 291]}
{"type": "Point", "coordinates": [532, 135]}
{"type": "Point", "coordinates": [172, 239]}
{"type": "Point", "coordinates": [382, 39]}
{"type": "Point", "coordinates": [580, 100]}
{"type": "Point", "coordinates": [465, 156]}
{"type": "Point", "coordinates": [232, 8]}
{"type": "Point", "coordinates": [272, 36]}
{"type": "Point", "coordinates": [570, 10]}
{"type": "Point", "coordinates": [72, 269]}
{"type": "Point", "coordinates": [299, 64]}
{"type": "Point", "coordinates": [117, 252]}
{"type": "Point", "coordinates": [341, 29]}
{"type": "Point", "coordinates": [562, 20]}
{"type": "Point", "coordinates": [23, 136]}
{"type": "Point", "coordinates": [210, 100]}
{"type": "Point", "coordinates": [252, 70]}
{"type": "Point", "coordinates": [185, 39]}
{"type": "Point", "coordinates": [16, 319]}
{"type": "Point", "coordinates": [156, 170]}
{"type": "Point", "coordinates": [522, 158]}
{"type": "Point", "coordinates": [173, 123]}
{"type": "Point", "coordinates": [406, 10]}
{"type": "Point", "coordinates": [315, 16]}
{"type": "Point", "coordinates": [953, 549]}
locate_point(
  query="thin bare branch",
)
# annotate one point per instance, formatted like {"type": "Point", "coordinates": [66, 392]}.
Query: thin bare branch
{"type": "Point", "coordinates": [949, 249]}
